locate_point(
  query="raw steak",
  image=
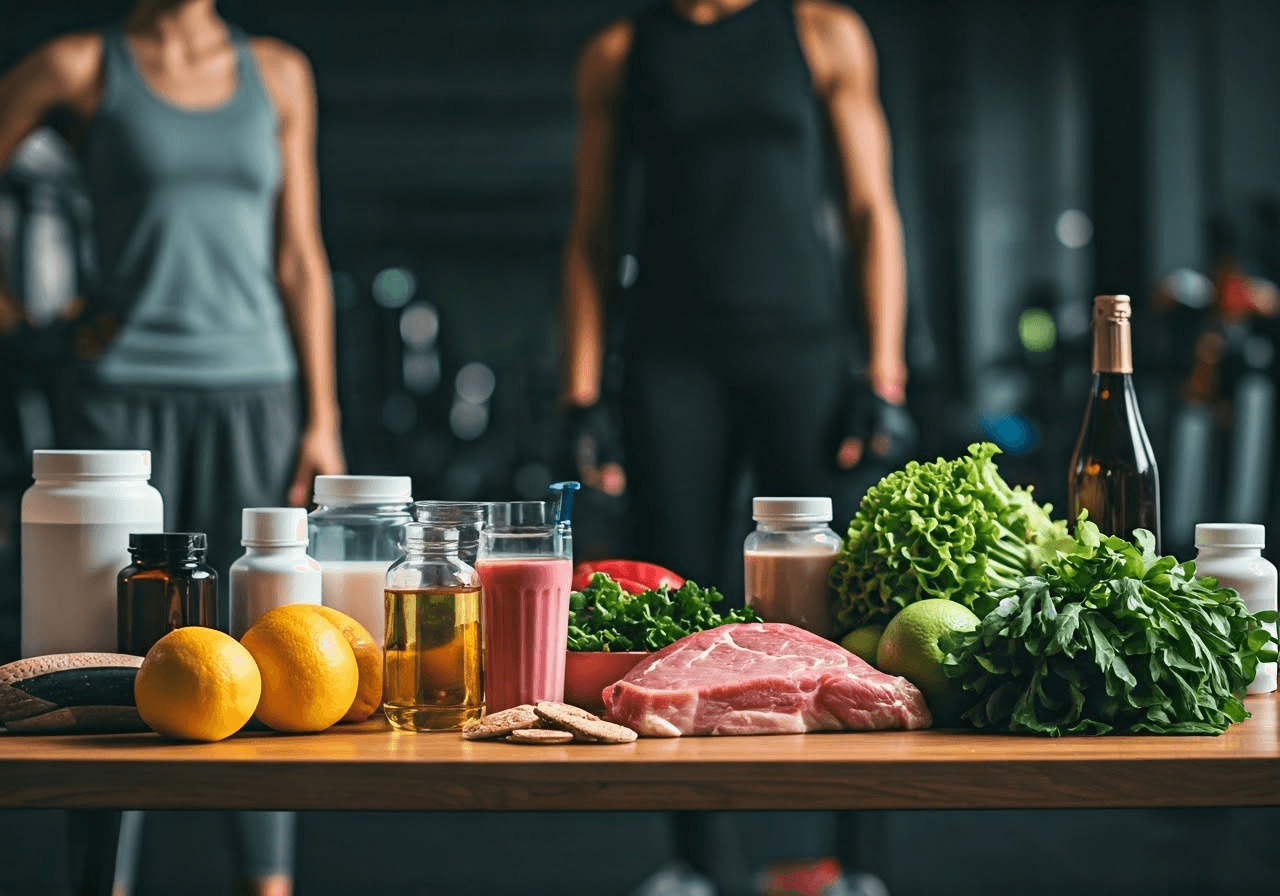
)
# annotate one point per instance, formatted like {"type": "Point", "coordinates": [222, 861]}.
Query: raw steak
{"type": "Point", "coordinates": [760, 678]}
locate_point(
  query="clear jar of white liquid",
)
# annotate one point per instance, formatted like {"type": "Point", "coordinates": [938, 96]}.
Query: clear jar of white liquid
{"type": "Point", "coordinates": [356, 532]}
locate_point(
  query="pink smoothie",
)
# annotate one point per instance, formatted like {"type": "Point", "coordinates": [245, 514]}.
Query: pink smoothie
{"type": "Point", "coordinates": [526, 618]}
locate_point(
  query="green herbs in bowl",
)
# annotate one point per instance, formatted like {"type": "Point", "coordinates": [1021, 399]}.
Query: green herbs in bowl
{"type": "Point", "coordinates": [603, 617]}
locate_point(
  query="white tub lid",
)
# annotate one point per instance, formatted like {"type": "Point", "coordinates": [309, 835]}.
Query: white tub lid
{"type": "Point", "coordinates": [1230, 535]}
{"type": "Point", "coordinates": [332, 490]}
{"type": "Point", "coordinates": [91, 464]}
{"type": "Point", "coordinates": [791, 509]}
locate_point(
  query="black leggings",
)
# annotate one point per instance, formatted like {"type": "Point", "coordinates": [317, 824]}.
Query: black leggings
{"type": "Point", "coordinates": [697, 417]}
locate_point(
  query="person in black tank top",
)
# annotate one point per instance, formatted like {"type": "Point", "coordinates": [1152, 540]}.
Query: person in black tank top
{"type": "Point", "coordinates": [708, 132]}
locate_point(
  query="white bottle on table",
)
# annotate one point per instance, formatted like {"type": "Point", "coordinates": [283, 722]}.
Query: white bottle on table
{"type": "Point", "coordinates": [76, 521]}
{"type": "Point", "coordinates": [275, 569]}
{"type": "Point", "coordinates": [1232, 554]}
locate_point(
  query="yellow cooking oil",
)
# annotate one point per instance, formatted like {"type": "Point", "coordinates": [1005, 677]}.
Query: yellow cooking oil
{"type": "Point", "coordinates": [433, 679]}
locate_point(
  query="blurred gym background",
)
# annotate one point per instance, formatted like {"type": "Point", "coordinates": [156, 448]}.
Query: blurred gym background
{"type": "Point", "coordinates": [1043, 153]}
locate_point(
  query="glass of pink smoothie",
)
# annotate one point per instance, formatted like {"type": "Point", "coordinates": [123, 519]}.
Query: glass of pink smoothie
{"type": "Point", "coordinates": [526, 566]}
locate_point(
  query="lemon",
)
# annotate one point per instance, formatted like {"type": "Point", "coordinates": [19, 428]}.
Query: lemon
{"type": "Point", "coordinates": [863, 642]}
{"type": "Point", "coordinates": [368, 658]}
{"type": "Point", "coordinates": [197, 683]}
{"type": "Point", "coordinates": [909, 647]}
{"type": "Point", "coordinates": [310, 676]}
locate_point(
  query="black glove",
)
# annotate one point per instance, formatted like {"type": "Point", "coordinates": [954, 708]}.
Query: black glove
{"type": "Point", "coordinates": [886, 432]}
{"type": "Point", "coordinates": [592, 435]}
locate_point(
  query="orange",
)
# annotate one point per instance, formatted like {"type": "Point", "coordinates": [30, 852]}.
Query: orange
{"type": "Point", "coordinates": [909, 647]}
{"type": "Point", "coordinates": [310, 676]}
{"type": "Point", "coordinates": [197, 684]}
{"type": "Point", "coordinates": [368, 658]}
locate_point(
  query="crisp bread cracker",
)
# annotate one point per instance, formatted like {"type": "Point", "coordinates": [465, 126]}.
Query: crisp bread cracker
{"type": "Point", "coordinates": [585, 727]}
{"type": "Point", "coordinates": [540, 736]}
{"type": "Point", "coordinates": [500, 724]}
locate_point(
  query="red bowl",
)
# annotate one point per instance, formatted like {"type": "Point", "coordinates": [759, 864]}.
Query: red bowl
{"type": "Point", "coordinates": [588, 673]}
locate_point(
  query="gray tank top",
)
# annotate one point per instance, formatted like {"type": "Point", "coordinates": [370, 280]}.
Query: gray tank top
{"type": "Point", "coordinates": [184, 207]}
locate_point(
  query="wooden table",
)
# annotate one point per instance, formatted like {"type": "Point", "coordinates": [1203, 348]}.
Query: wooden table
{"type": "Point", "coordinates": [371, 767]}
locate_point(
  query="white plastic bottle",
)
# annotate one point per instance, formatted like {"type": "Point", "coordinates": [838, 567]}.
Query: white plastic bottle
{"type": "Point", "coordinates": [1232, 554]}
{"type": "Point", "coordinates": [275, 569]}
{"type": "Point", "coordinates": [76, 522]}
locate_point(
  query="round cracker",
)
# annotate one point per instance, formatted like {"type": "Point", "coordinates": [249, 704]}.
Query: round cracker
{"type": "Point", "coordinates": [500, 724]}
{"type": "Point", "coordinates": [563, 709]}
{"type": "Point", "coordinates": [540, 736]}
{"type": "Point", "coordinates": [585, 726]}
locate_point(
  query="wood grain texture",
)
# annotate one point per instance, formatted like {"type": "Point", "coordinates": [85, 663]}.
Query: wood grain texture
{"type": "Point", "coordinates": [369, 766]}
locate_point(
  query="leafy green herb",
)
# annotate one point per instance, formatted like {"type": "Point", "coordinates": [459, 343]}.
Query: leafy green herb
{"type": "Point", "coordinates": [1111, 638]}
{"type": "Point", "coordinates": [950, 529]}
{"type": "Point", "coordinates": [604, 617]}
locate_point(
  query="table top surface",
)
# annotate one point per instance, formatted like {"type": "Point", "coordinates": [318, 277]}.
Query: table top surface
{"type": "Point", "coordinates": [369, 766]}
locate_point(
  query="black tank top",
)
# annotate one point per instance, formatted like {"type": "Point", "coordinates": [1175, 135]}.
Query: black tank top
{"type": "Point", "coordinates": [723, 125]}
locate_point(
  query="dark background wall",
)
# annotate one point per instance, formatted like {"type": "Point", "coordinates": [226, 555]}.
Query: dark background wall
{"type": "Point", "coordinates": [1044, 152]}
{"type": "Point", "coordinates": [445, 150]}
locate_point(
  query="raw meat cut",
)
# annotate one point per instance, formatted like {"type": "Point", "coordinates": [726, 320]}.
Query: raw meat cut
{"type": "Point", "coordinates": [760, 678]}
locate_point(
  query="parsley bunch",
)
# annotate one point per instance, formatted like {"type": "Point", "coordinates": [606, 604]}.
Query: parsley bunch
{"type": "Point", "coordinates": [1110, 638]}
{"type": "Point", "coordinates": [604, 617]}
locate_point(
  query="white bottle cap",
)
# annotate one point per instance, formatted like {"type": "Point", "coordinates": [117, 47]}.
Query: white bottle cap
{"type": "Point", "coordinates": [339, 490]}
{"type": "Point", "coordinates": [1230, 535]}
{"type": "Point", "coordinates": [273, 527]}
{"type": "Point", "coordinates": [799, 510]}
{"type": "Point", "coordinates": [91, 464]}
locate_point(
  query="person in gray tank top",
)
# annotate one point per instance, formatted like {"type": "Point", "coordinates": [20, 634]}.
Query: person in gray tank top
{"type": "Point", "coordinates": [211, 309]}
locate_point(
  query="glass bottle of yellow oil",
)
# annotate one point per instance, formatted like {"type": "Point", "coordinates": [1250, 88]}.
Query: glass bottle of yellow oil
{"type": "Point", "coordinates": [434, 676]}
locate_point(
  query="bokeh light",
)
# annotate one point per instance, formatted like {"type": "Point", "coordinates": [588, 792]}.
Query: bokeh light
{"type": "Point", "coordinates": [1010, 430]}
{"type": "Point", "coordinates": [394, 287]}
{"type": "Point", "coordinates": [1075, 229]}
{"type": "Point", "coordinates": [419, 325]}
{"type": "Point", "coordinates": [475, 382]}
{"type": "Point", "coordinates": [1036, 330]}
{"type": "Point", "coordinates": [468, 421]}
{"type": "Point", "coordinates": [421, 372]}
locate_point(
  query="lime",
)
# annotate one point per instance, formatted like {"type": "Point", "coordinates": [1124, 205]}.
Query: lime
{"type": "Point", "coordinates": [863, 642]}
{"type": "Point", "coordinates": [909, 647]}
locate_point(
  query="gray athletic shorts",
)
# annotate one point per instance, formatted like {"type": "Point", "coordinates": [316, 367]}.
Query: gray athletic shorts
{"type": "Point", "coordinates": [213, 452]}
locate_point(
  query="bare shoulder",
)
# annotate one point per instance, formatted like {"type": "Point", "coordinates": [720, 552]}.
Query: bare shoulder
{"type": "Point", "coordinates": [836, 41]}
{"type": "Point", "coordinates": [67, 67]}
{"type": "Point", "coordinates": [603, 62]}
{"type": "Point", "coordinates": [286, 72]}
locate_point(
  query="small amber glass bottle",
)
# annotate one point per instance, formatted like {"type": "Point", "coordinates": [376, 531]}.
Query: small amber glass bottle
{"type": "Point", "coordinates": [167, 586]}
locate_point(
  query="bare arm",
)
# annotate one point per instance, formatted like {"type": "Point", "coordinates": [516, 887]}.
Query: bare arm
{"type": "Point", "coordinates": [302, 269]}
{"type": "Point", "coordinates": [843, 59]}
{"type": "Point", "coordinates": [63, 72]}
{"type": "Point", "coordinates": [589, 246]}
